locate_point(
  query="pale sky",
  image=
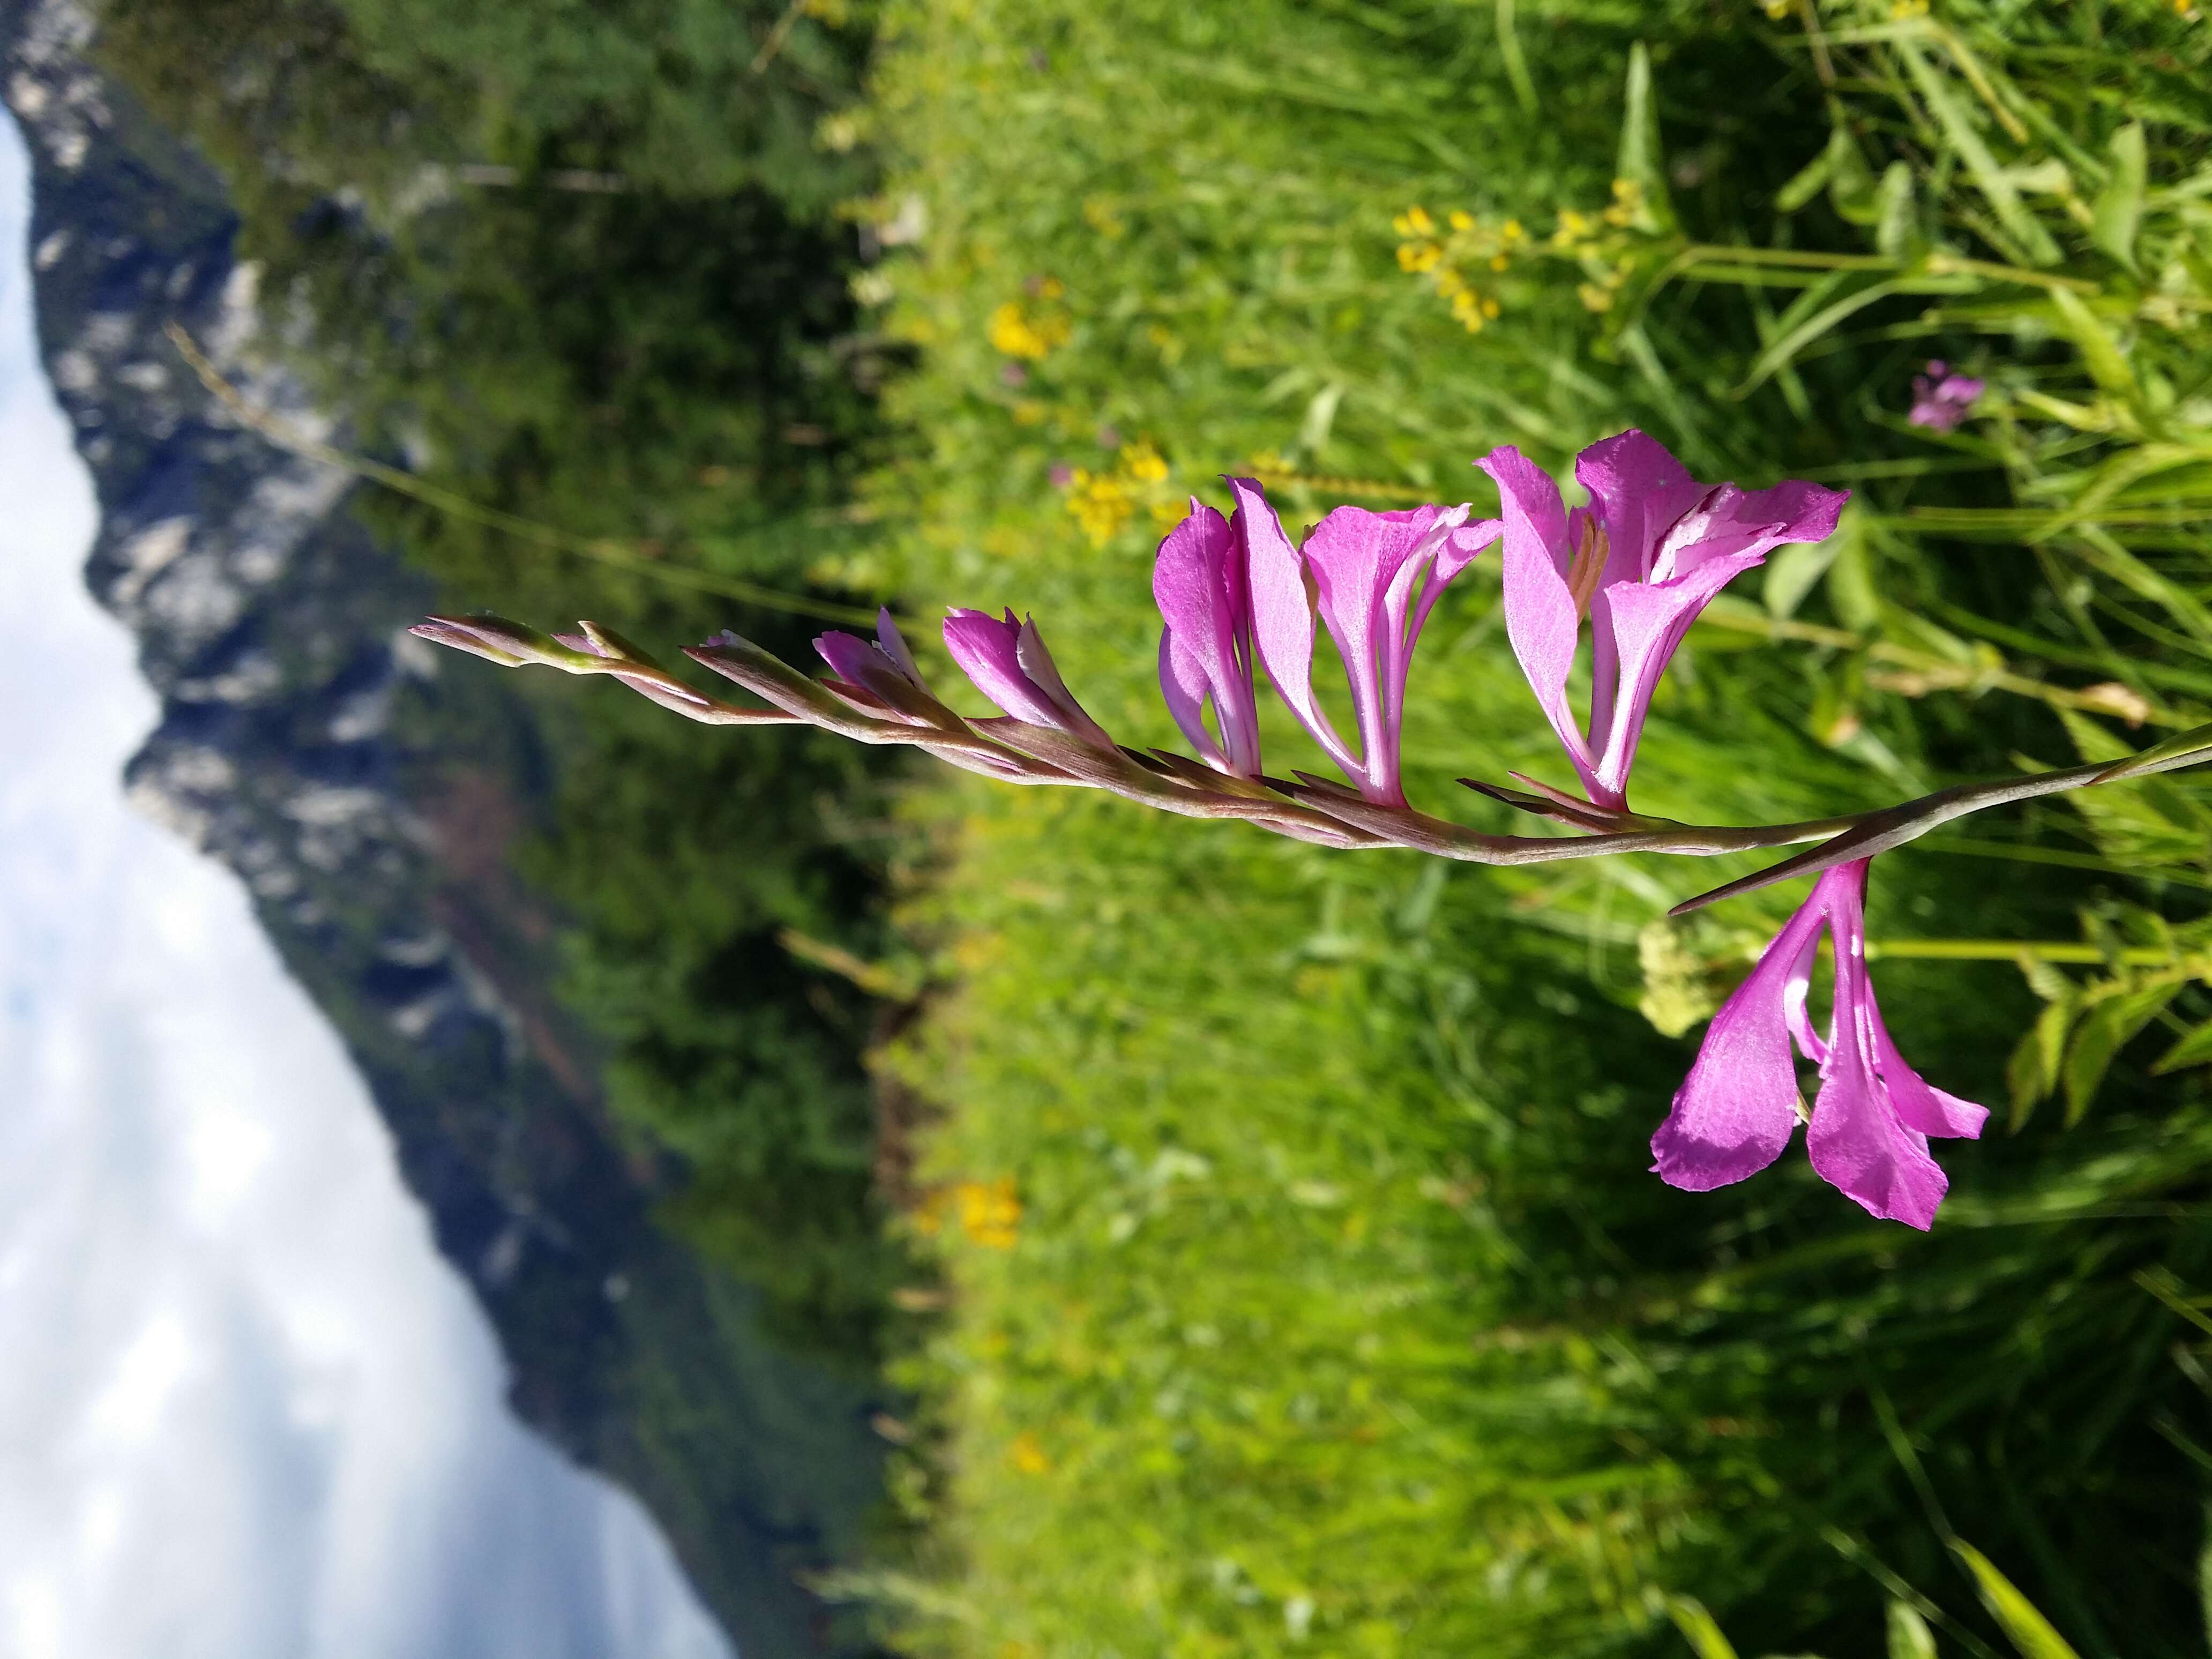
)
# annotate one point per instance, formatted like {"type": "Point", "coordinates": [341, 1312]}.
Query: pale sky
{"type": "Point", "coordinates": [246, 1409]}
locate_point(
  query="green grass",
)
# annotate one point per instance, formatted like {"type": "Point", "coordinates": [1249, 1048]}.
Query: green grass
{"type": "Point", "coordinates": [1342, 1315]}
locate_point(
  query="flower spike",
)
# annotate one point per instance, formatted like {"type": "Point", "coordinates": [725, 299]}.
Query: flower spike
{"type": "Point", "coordinates": [1868, 1126]}
{"type": "Point", "coordinates": [1638, 564]}
{"type": "Point", "coordinates": [1373, 577]}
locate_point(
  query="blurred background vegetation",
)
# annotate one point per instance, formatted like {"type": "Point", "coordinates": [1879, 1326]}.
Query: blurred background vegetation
{"type": "Point", "coordinates": [579, 263]}
{"type": "Point", "coordinates": [1304, 1288]}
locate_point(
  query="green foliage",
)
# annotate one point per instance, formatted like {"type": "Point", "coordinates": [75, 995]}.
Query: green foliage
{"type": "Point", "coordinates": [1343, 1314]}
{"type": "Point", "coordinates": [698, 98]}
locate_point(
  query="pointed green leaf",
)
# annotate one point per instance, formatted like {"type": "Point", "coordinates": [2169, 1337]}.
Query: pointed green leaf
{"type": "Point", "coordinates": [1696, 1625]}
{"type": "Point", "coordinates": [1894, 225]}
{"type": "Point", "coordinates": [1808, 181]}
{"type": "Point", "coordinates": [2119, 204]}
{"type": "Point", "coordinates": [1851, 586]}
{"type": "Point", "coordinates": [1793, 570]}
{"type": "Point", "coordinates": [1517, 65]}
{"type": "Point", "coordinates": [1643, 157]}
{"type": "Point", "coordinates": [2044, 979]}
{"type": "Point", "coordinates": [1909, 1635]}
{"type": "Point", "coordinates": [2194, 1050]}
{"type": "Point", "coordinates": [2034, 243]}
{"type": "Point", "coordinates": [2029, 1630]}
{"type": "Point", "coordinates": [1859, 290]}
{"type": "Point", "coordinates": [1851, 180]}
{"type": "Point", "coordinates": [2102, 1035]}
{"type": "Point", "coordinates": [2183, 748]}
{"type": "Point", "coordinates": [2033, 1071]}
{"type": "Point", "coordinates": [2100, 353]}
{"type": "Point", "coordinates": [2092, 742]}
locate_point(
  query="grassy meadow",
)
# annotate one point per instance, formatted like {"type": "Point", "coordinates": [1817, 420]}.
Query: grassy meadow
{"type": "Point", "coordinates": [1308, 1291]}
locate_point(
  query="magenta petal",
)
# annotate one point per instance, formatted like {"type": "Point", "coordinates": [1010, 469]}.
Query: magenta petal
{"type": "Point", "coordinates": [1859, 1146]}
{"type": "Point", "coordinates": [1733, 1113]}
{"type": "Point", "coordinates": [1199, 585]}
{"type": "Point", "coordinates": [989, 650]}
{"type": "Point", "coordinates": [1362, 565]}
{"type": "Point", "coordinates": [1184, 688]}
{"type": "Point", "coordinates": [1540, 619]}
{"type": "Point", "coordinates": [894, 645]}
{"type": "Point", "coordinates": [1460, 547]}
{"type": "Point", "coordinates": [1918, 1104]}
{"type": "Point", "coordinates": [1731, 522]}
{"type": "Point", "coordinates": [849, 656]}
{"type": "Point", "coordinates": [1637, 490]}
{"type": "Point", "coordinates": [1646, 622]}
{"type": "Point", "coordinates": [1436, 551]}
{"type": "Point", "coordinates": [1282, 615]}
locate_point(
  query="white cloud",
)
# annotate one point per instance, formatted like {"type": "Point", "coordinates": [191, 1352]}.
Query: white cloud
{"type": "Point", "coordinates": [246, 1409]}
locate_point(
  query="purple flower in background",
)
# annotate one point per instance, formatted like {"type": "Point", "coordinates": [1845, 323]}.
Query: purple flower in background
{"type": "Point", "coordinates": [1942, 399]}
{"type": "Point", "coordinates": [1202, 588]}
{"type": "Point", "coordinates": [1008, 662]}
{"type": "Point", "coordinates": [1374, 577]}
{"type": "Point", "coordinates": [877, 677]}
{"type": "Point", "coordinates": [1640, 562]}
{"type": "Point", "coordinates": [1868, 1128]}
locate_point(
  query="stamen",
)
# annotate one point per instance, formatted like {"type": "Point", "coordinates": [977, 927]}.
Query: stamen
{"type": "Point", "coordinates": [1587, 567]}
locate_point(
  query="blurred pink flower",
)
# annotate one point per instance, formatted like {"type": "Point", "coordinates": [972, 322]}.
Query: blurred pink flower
{"type": "Point", "coordinates": [1868, 1127]}
{"type": "Point", "coordinates": [1942, 399]}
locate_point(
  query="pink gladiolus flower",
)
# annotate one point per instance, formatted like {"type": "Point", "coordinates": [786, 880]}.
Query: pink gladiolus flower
{"type": "Point", "coordinates": [1868, 1131]}
{"type": "Point", "coordinates": [1374, 578]}
{"type": "Point", "coordinates": [877, 677]}
{"type": "Point", "coordinates": [1640, 562]}
{"type": "Point", "coordinates": [1199, 583]}
{"type": "Point", "coordinates": [1008, 662]}
{"type": "Point", "coordinates": [1941, 399]}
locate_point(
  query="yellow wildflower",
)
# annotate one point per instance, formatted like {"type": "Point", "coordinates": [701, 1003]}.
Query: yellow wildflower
{"type": "Point", "coordinates": [1101, 505]}
{"type": "Point", "coordinates": [1142, 462]}
{"type": "Point", "coordinates": [1028, 1454]}
{"type": "Point", "coordinates": [1413, 221]}
{"type": "Point", "coordinates": [1017, 332]}
{"type": "Point", "coordinates": [990, 1213]}
{"type": "Point", "coordinates": [1462, 220]}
